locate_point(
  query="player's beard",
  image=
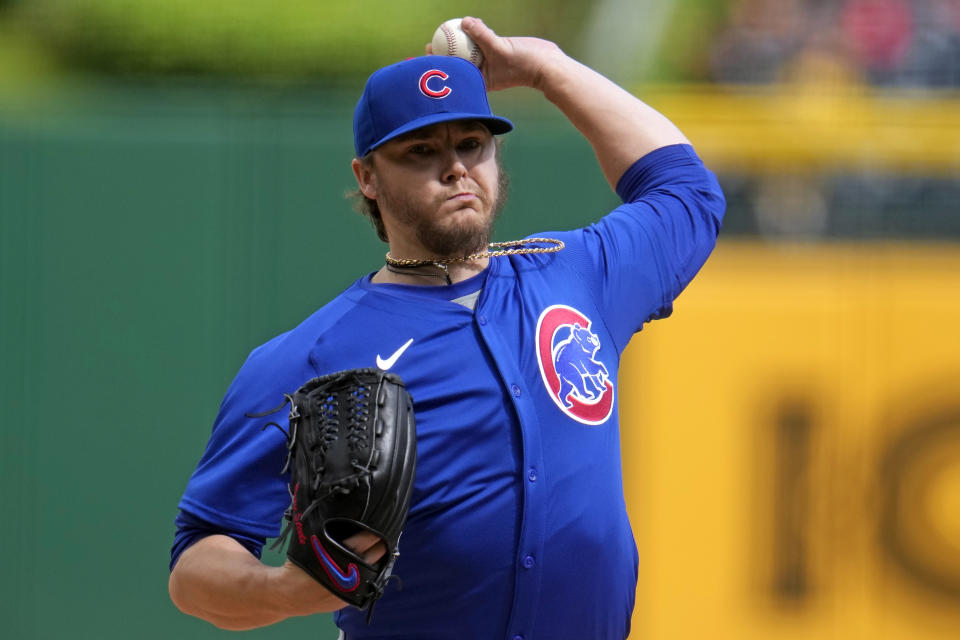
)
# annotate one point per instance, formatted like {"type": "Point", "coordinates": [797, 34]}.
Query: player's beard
{"type": "Point", "coordinates": [444, 240]}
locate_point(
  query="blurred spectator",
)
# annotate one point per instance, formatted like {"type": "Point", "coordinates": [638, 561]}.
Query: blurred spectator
{"type": "Point", "coordinates": [880, 33]}
{"type": "Point", "coordinates": [934, 58]}
{"type": "Point", "coordinates": [825, 57]}
{"type": "Point", "coordinates": [761, 38]}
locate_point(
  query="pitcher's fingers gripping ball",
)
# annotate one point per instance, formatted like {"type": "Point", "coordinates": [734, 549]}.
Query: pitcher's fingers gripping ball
{"type": "Point", "coordinates": [352, 457]}
{"type": "Point", "coordinates": [450, 40]}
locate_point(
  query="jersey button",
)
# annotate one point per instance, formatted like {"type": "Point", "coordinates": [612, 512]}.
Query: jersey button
{"type": "Point", "coordinates": [482, 319]}
{"type": "Point", "coordinates": [528, 562]}
{"type": "Point", "coordinates": [516, 391]}
{"type": "Point", "coordinates": [532, 475]}
{"type": "Point", "coordinates": [517, 637]}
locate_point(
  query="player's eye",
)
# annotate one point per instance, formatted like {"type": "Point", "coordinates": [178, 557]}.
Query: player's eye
{"type": "Point", "coordinates": [470, 144]}
{"type": "Point", "coordinates": [420, 149]}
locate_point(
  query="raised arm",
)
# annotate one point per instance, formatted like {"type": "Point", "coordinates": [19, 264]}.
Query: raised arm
{"type": "Point", "coordinates": [620, 127]}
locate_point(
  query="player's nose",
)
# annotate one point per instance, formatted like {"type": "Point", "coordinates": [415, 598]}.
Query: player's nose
{"type": "Point", "coordinates": [454, 167]}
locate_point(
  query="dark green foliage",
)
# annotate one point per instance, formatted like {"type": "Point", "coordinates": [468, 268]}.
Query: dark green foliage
{"type": "Point", "coordinates": [280, 39]}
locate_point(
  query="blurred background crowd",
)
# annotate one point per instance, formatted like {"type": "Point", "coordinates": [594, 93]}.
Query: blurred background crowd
{"type": "Point", "coordinates": [885, 43]}
{"type": "Point", "coordinates": [835, 44]}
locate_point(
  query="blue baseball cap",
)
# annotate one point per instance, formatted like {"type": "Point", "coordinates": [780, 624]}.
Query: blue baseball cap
{"type": "Point", "coordinates": [417, 93]}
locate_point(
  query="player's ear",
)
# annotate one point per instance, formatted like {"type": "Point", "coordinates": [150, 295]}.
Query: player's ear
{"type": "Point", "coordinates": [366, 177]}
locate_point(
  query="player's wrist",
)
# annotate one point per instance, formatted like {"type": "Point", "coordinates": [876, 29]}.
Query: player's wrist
{"type": "Point", "coordinates": [295, 593]}
{"type": "Point", "coordinates": [547, 64]}
{"type": "Point", "coordinates": [286, 591]}
{"type": "Point", "coordinates": [560, 76]}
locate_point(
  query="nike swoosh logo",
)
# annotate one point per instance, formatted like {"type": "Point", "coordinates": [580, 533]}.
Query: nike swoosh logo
{"type": "Point", "coordinates": [344, 581]}
{"type": "Point", "coordinates": [389, 362]}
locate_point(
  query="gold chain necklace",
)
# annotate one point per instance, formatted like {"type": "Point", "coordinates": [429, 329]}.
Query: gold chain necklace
{"type": "Point", "coordinates": [500, 249]}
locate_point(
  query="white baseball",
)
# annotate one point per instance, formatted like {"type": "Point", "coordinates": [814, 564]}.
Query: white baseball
{"type": "Point", "coordinates": [450, 40]}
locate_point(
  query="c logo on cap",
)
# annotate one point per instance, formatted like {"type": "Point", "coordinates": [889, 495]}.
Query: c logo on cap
{"type": "Point", "coordinates": [425, 89]}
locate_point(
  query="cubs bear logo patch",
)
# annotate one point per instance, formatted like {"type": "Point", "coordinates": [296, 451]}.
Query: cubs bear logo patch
{"type": "Point", "coordinates": [578, 382]}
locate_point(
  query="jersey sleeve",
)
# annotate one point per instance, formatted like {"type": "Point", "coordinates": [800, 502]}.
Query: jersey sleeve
{"type": "Point", "coordinates": [237, 488]}
{"type": "Point", "coordinates": [638, 258]}
{"type": "Point", "coordinates": [190, 529]}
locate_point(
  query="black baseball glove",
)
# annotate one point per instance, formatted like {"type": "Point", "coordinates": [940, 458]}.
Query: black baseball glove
{"type": "Point", "coordinates": [352, 457]}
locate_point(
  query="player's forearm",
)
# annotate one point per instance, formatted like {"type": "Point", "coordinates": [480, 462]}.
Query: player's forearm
{"type": "Point", "coordinates": [620, 127]}
{"type": "Point", "coordinates": [219, 581]}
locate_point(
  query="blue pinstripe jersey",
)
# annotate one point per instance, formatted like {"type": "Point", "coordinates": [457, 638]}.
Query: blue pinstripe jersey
{"type": "Point", "coordinates": [518, 527]}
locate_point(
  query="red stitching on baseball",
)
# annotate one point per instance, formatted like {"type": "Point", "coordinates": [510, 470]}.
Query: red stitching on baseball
{"type": "Point", "coordinates": [451, 40]}
{"type": "Point", "coordinates": [474, 55]}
